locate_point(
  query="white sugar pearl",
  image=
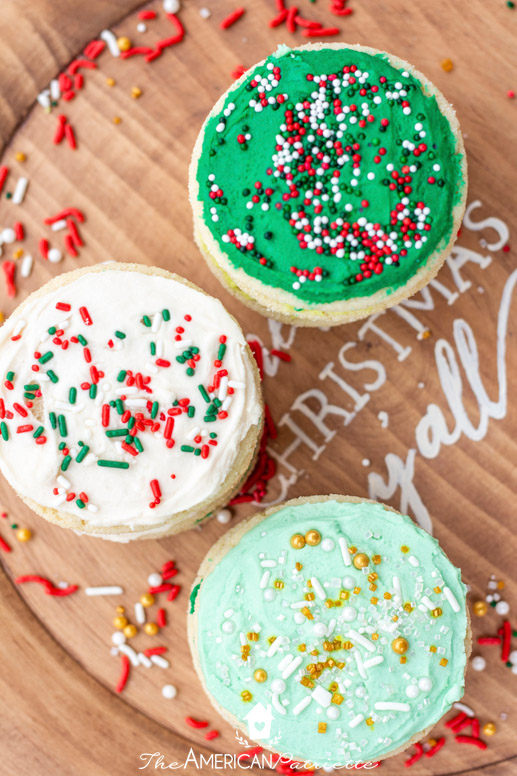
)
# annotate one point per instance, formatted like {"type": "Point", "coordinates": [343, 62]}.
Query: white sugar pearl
{"type": "Point", "coordinates": [154, 580]}
{"type": "Point", "coordinates": [8, 235]}
{"type": "Point", "coordinates": [349, 613]}
{"type": "Point", "coordinates": [224, 516]}
{"type": "Point", "coordinates": [348, 582]}
{"type": "Point", "coordinates": [502, 608]}
{"type": "Point", "coordinates": [118, 638]}
{"type": "Point", "coordinates": [327, 545]}
{"type": "Point", "coordinates": [514, 669]}
{"type": "Point", "coordinates": [54, 255]}
{"type": "Point", "coordinates": [171, 6]}
{"type": "Point", "coordinates": [412, 691]}
{"type": "Point", "coordinates": [228, 626]}
{"type": "Point", "coordinates": [513, 657]}
{"type": "Point", "coordinates": [319, 629]}
{"type": "Point", "coordinates": [478, 663]}
{"type": "Point", "coordinates": [332, 712]}
{"type": "Point", "coordinates": [269, 595]}
{"type": "Point", "coordinates": [169, 691]}
{"type": "Point", "coordinates": [299, 618]}
{"type": "Point", "coordinates": [278, 686]}
{"type": "Point", "coordinates": [141, 27]}
{"type": "Point", "coordinates": [425, 684]}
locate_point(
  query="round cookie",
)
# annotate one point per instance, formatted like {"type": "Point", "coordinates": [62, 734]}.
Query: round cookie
{"type": "Point", "coordinates": [328, 183]}
{"type": "Point", "coordinates": [330, 629]}
{"type": "Point", "coordinates": [130, 402]}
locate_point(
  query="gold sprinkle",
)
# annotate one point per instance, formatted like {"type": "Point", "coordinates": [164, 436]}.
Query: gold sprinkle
{"type": "Point", "coordinates": [322, 727]}
{"type": "Point", "coordinates": [432, 648]}
{"type": "Point", "coordinates": [120, 609]}
{"type": "Point", "coordinates": [489, 728]}
{"type": "Point", "coordinates": [361, 560]}
{"type": "Point", "coordinates": [404, 548]}
{"type": "Point", "coordinates": [437, 589]}
{"type": "Point", "coordinates": [356, 590]}
{"type": "Point", "coordinates": [306, 681]}
{"type": "Point", "coordinates": [403, 659]}
{"type": "Point", "coordinates": [252, 636]}
{"type": "Point", "coordinates": [375, 636]}
{"type": "Point", "coordinates": [500, 586]}
{"type": "Point", "coordinates": [376, 559]}
{"type": "Point", "coordinates": [329, 603]}
{"type": "Point", "coordinates": [246, 696]}
{"type": "Point", "coordinates": [307, 613]}
{"type": "Point", "coordinates": [436, 612]}
{"type": "Point", "coordinates": [387, 596]}
{"type": "Point", "coordinates": [352, 550]}
{"type": "Point", "coordinates": [333, 687]}
{"type": "Point", "coordinates": [302, 647]}
{"type": "Point", "coordinates": [298, 566]}
{"type": "Point", "coordinates": [18, 253]}
{"type": "Point", "coordinates": [344, 595]}
{"type": "Point", "coordinates": [408, 607]}
{"type": "Point", "coordinates": [341, 664]}
{"type": "Point", "coordinates": [400, 645]}
{"type": "Point", "coordinates": [374, 600]}
{"type": "Point", "coordinates": [278, 584]}
{"type": "Point", "coordinates": [309, 596]}
{"type": "Point", "coordinates": [373, 576]}
{"type": "Point", "coordinates": [271, 639]}
{"type": "Point", "coordinates": [337, 698]}
{"type": "Point", "coordinates": [443, 661]}
{"type": "Point", "coordinates": [369, 721]}
{"type": "Point", "coordinates": [480, 608]}
{"type": "Point", "coordinates": [373, 587]}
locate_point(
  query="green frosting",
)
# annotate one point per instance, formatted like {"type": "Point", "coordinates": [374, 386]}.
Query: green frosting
{"type": "Point", "coordinates": [269, 167]}
{"type": "Point", "coordinates": [353, 620]}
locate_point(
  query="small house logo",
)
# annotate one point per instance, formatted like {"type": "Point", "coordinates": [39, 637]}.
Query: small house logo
{"type": "Point", "coordinates": [259, 720]}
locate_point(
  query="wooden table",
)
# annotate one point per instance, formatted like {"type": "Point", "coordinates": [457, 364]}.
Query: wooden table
{"type": "Point", "coordinates": [351, 406]}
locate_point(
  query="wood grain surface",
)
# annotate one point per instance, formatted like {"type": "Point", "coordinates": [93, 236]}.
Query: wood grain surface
{"type": "Point", "coordinates": [347, 406]}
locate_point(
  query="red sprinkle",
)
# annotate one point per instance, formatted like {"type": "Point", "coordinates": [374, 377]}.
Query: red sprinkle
{"type": "Point", "coordinates": [63, 306]}
{"type": "Point", "coordinates": [124, 676]}
{"type": "Point", "coordinates": [489, 640]}
{"type": "Point", "coordinates": [18, 230]}
{"type": "Point", "coordinates": [77, 64]}
{"type": "Point", "coordinates": [9, 269]}
{"type": "Point", "coordinates": [154, 651]}
{"type": "Point", "coordinates": [94, 48]}
{"type": "Point", "coordinates": [43, 247]}
{"type": "Point", "coordinates": [85, 315]}
{"type": "Point", "coordinates": [281, 355]}
{"type": "Point", "coordinates": [315, 32]}
{"type": "Point", "coordinates": [232, 18]}
{"type": "Point", "coordinates": [173, 592]}
{"type": "Point", "coordinates": [4, 172]}
{"type": "Point", "coordinates": [70, 136]}
{"type": "Point", "coordinates": [4, 546]}
{"type": "Point", "coordinates": [196, 723]}
{"type": "Point", "coordinates": [471, 740]}
{"type": "Point", "coordinates": [436, 748]}
{"type": "Point", "coordinates": [161, 618]}
{"type": "Point", "coordinates": [211, 735]}
{"type": "Point", "coordinates": [70, 247]}
{"type": "Point", "coordinates": [49, 587]}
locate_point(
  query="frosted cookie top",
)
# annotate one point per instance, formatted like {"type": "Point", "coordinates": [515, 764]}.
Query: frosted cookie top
{"type": "Point", "coordinates": [342, 625]}
{"type": "Point", "coordinates": [124, 397]}
{"type": "Point", "coordinates": [329, 173]}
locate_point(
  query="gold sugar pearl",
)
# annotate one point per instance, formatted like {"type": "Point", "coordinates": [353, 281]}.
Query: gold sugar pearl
{"type": "Point", "coordinates": [260, 675]}
{"type": "Point", "coordinates": [20, 156]}
{"type": "Point", "coordinates": [110, 82]}
{"type": "Point", "coordinates": [480, 608]}
{"type": "Point", "coordinates": [313, 537]}
{"type": "Point", "coordinates": [136, 92]}
{"type": "Point", "coordinates": [297, 541]}
{"type": "Point", "coordinates": [489, 729]}
{"type": "Point", "coordinates": [400, 645]}
{"type": "Point", "coordinates": [447, 65]}
{"type": "Point", "coordinates": [23, 534]}
{"type": "Point", "coordinates": [120, 609]}
{"type": "Point", "coordinates": [151, 628]}
{"type": "Point", "coordinates": [123, 43]}
{"type": "Point", "coordinates": [147, 599]}
{"type": "Point", "coordinates": [361, 560]}
{"type": "Point", "coordinates": [119, 622]}
{"type": "Point", "coordinates": [130, 630]}
{"type": "Point", "coordinates": [116, 119]}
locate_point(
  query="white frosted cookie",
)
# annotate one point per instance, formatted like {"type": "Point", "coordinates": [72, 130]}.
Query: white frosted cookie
{"type": "Point", "coordinates": [130, 402]}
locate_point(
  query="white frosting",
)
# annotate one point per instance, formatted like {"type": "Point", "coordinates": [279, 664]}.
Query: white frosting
{"type": "Point", "coordinates": [117, 301]}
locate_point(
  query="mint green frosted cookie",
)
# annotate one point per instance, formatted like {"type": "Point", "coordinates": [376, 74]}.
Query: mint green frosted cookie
{"type": "Point", "coordinates": [330, 629]}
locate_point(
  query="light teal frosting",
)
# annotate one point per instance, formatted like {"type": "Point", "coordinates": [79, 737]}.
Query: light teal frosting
{"type": "Point", "coordinates": [240, 596]}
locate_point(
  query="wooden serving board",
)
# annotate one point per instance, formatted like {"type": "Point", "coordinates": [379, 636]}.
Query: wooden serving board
{"type": "Point", "coordinates": [352, 407]}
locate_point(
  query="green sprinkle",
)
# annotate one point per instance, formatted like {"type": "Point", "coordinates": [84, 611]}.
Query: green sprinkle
{"type": "Point", "coordinates": [213, 435]}
{"type": "Point", "coordinates": [129, 439]}
{"type": "Point", "coordinates": [61, 422]}
{"type": "Point", "coordinates": [116, 432]}
{"type": "Point", "coordinates": [191, 411]}
{"type": "Point", "coordinates": [204, 394]}
{"type": "Point", "coordinates": [153, 348]}
{"type": "Point", "coordinates": [80, 503]}
{"type": "Point", "coordinates": [121, 376]}
{"type": "Point", "coordinates": [120, 335]}
{"type": "Point", "coordinates": [82, 340]}
{"type": "Point", "coordinates": [197, 451]}
{"type": "Point", "coordinates": [166, 315]}
{"type": "Point", "coordinates": [212, 410]}
{"type": "Point", "coordinates": [190, 371]}
{"type": "Point", "coordinates": [93, 391]}
{"type": "Point", "coordinates": [187, 449]}
{"type": "Point", "coordinates": [138, 445]}
{"type": "Point", "coordinates": [10, 376]}
{"type": "Point", "coordinates": [61, 446]}
{"type": "Point", "coordinates": [46, 357]}
{"type": "Point", "coordinates": [195, 351]}
{"type": "Point", "coordinates": [154, 409]}
{"type": "Point", "coordinates": [146, 321]}
{"type": "Point", "coordinates": [72, 395]}
{"type": "Point", "coordinates": [4, 431]}
{"type": "Point", "coordinates": [31, 387]}
{"type": "Point", "coordinates": [82, 453]}
{"type": "Point", "coordinates": [53, 419]}
{"type": "Point", "coordinates": [131, 422]}
{"type": "Point", "coordinates": [217, 403]}
{"type": "Point", "coordinates": [119, 404]}
{"type": "Point", "coordinates": [209, 418]}
{"type": "Point", "coordinates": [39, 431]}
{"type": "Point", "coordinates": [221, 351]}
{"type": "Point", "coordinates": [66, 462]}
{"type": "Point", "coordinates": [52, 330]}
{"type": "Point", "coordinates": [180, 359]}
{"type": "Point", "coordinates": [113, 464]}
{"type": "Point", "coordinates": [29, 396]}
{"type": "Point", "coordinates": [52, 376]}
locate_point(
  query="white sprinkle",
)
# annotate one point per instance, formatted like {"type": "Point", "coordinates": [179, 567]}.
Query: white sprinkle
{"type": "Point", "coordinates": [92, 508]}
{"type": "Point", "coordinates": [140, 613]}
{"type": "Point", "coordinates": [463, 707]}
{"type": "Point", "coordinates": [398, 589]}
{"type": "Point", "coordinates": [373, 661]}
{"type": "Point", "coordinates": [26, 266]}
{"type": "Point", "coordinates": [130, 653]}
{"type": "Point", "coordinates": [275, 646]}
{"type": "Point", "coordinates": [413, 561]}
{"type": "Point", "coordinates": [8, 235]}
{"type": "Point", "coordinates": [301, 604]}
{"type": "Point", "coordinates": [118, 638]}
{"type": "Point", "coordinates": [392, 706]}
{"type": "Point", "coordinates": [141, 27]}
{"type": "Point", "coordinates": [301, 705]}
{"type": "Point", "coordinates": [158, 660]}
{"type": "Point", "coordinates": [427, 602]}
{"type": "Point", "coordinates": [19, 191]}
{"type": "Point", "coordinates": [144, 660]}
{"type": "Point", "coordinates": [277, 705]}
{"type": "Point", "coordinates": [63, 481]}
{"type": "Point", "coordinates": [111, 41]}
{"type": "Point", "coordinates": [106, 590]}
{"type": "Point", "coordinates": [18, 329]}
{"type": "Point", "coordinates": [228, 613]}
{"type": "Point", "coordinates": [157, 321]}
{"type": "Point", "coordinates": [44, 98]}
{"type": "Point", "coordinates": [58, 225]}
{"type": "Point", "coordinates": [268, 564]}
{"type": "Point", "coordinates": [236, 384]}
{"type": "Point", "coordinates": [364, 642]}
{"type": "Point", "coordinates": [360, 666]}
{"type": "Point", "coordinates": [343, 546]}
{"type": "Point", "coordinates": [449, 595]}
{"type": "Point", "coordinates": [265, 579]}
{"type": "Point", "coordinates": [55, 89]}
{"type": "Point", "coordinates": [356, 720]}
{"type": "Point", "coordinates": [318, 589]}
{"type": "Point", "coordinates": [291, 668]}
{"type": "Point", "coordinates": [285, 662]}
{"type": "Point", "coordinates": [322, 696]}
{"type": "Point", "coordinates": [136, 402]}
